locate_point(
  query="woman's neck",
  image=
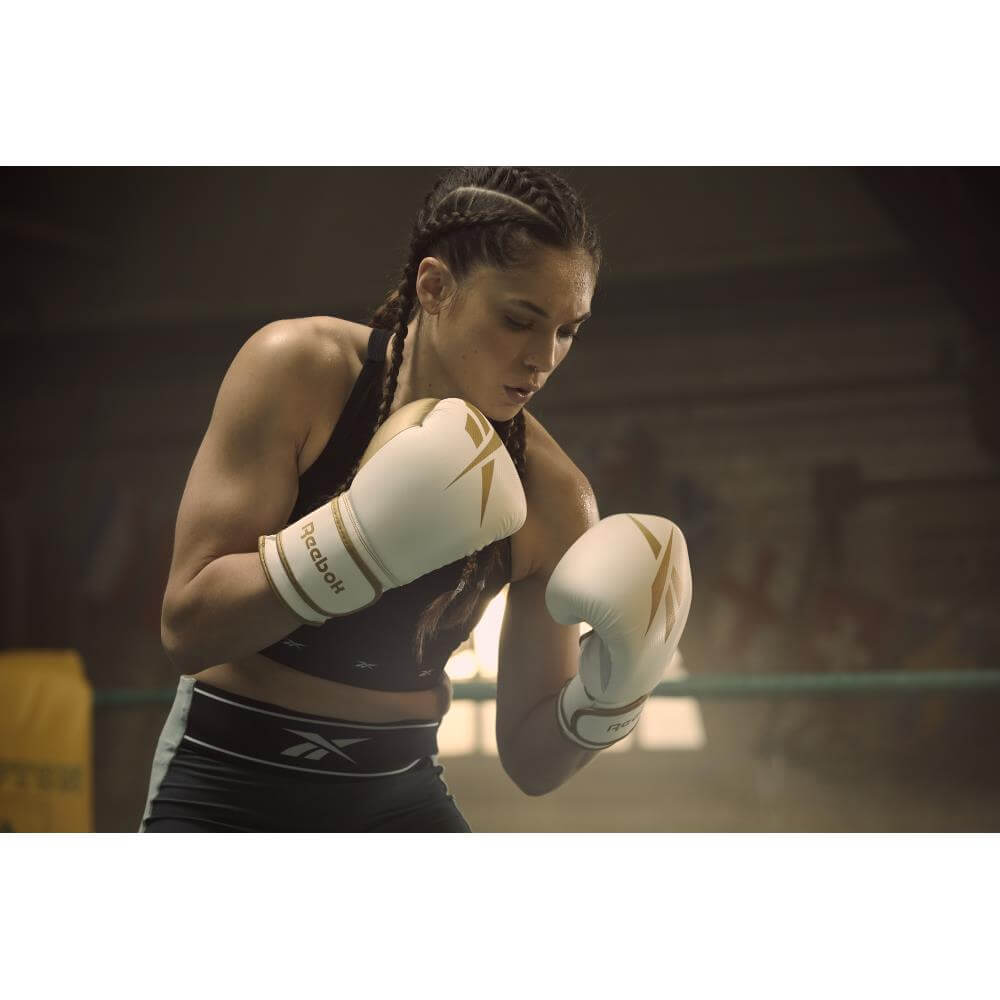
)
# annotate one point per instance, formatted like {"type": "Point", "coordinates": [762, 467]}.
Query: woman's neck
{"type": "Point", "coordinates": [421, 375]}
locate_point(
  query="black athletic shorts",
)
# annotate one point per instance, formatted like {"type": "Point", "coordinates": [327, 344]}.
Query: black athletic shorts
{"type": "Point", "coordinates": [228, 763]}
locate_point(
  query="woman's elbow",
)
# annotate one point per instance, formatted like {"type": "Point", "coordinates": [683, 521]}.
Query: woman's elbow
{"type": "Point", "coordinates": [173, 645]}
{"type": "Point", "coordinates": [525, 779]}
{"type": "Point", "coordinates": [177, 638]}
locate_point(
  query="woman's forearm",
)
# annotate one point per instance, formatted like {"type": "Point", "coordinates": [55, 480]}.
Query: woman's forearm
{"type": "Point", "coordinates": [227, 611]}
{"type": "Point", "coordinates": [538, 757]}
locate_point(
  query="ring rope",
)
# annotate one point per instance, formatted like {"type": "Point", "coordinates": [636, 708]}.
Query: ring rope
{"type": "Point", "coordinates": [903, 682]}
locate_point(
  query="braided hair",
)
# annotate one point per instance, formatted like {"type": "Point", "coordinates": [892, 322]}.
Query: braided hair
{"type": "Point", "coordinates": [473, 216]}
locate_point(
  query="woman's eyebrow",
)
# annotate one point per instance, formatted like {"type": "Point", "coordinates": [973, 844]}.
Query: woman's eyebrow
{"type": "Point", "coordinates": [541, 312]}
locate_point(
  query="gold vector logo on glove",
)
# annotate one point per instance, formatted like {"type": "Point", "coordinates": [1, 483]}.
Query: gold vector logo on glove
{"type": "Point", "coordinates": [479, 429]}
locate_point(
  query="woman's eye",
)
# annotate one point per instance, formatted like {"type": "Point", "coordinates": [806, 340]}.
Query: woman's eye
{"type": "Point", "coordinates": [514, 325]}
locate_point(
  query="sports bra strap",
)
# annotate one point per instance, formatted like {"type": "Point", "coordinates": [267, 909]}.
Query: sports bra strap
{"type": "Point", "coordinates": [364, 388]}
{"type": "Point", "coordinates": [344, 445]}
{"type": "Point", "coordinates": [378, 341]}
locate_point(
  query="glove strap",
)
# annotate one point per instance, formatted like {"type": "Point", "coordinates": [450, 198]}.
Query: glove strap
{"type": "Point", "coordinates": [281, 585]}
{"type": "Point", "coordinates": [591, 725]}
{"type": "Point", "coordinates": [322, 566]}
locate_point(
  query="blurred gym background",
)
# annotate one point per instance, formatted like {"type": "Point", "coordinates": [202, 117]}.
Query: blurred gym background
{"type": "Point", "coordinates": [798, 365]}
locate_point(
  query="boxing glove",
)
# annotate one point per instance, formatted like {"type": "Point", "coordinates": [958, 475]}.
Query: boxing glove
{"type": "Point", "coordinates": [629, 578]}
{"type": "Point", "coordinates": [434, 485]}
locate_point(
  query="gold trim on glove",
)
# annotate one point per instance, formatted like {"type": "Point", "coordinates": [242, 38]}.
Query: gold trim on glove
{"type": "Point", "coordinates": [306, 599]}
{"type": "Point", "coordinates": [274, 590]}
{"type": "Point", "coordinates": [348, 544]}
{"type": "Point", "coordinates": [569, 725]}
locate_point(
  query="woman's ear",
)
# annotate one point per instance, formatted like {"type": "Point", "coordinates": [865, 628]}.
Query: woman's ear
{"type": "Point", "coordinates": [435, 285]}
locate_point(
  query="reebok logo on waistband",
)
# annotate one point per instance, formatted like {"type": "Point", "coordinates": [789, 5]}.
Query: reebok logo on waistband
{"type": "Point", "coordinates": [316, 748]}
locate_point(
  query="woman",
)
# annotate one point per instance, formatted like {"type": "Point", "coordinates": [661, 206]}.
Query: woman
{"type": "Point", "coordinates": [326, 561]}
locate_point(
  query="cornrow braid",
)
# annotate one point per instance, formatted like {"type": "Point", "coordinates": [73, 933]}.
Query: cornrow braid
{"type": "Point", "coordinates": [495, 216]}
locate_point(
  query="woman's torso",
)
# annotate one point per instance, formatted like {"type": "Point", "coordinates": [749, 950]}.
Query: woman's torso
{"type": "Point", "coordinates": [264, 679]}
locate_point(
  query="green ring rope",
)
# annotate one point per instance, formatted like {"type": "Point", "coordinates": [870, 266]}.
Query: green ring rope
{"type": "Point", "coordinates": [904, 682]}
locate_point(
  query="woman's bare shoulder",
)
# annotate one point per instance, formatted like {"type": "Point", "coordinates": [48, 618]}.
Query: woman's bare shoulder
{"type": "Point", "coordinates": [352, 337]}
{"type": "Point", "coordinates": [323, 356]}
{"type": "Point", "coordinates": [327, 339]}
{"type": "Point", "coordinates": [548, 465]}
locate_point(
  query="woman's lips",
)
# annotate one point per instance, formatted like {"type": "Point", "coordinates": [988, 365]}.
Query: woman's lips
{"type": "Point", "coordinates": [518, 395]}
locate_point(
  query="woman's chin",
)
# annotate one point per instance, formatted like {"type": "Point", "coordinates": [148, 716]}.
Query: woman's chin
{"type": "Point", "coordinates": [501, 413]}
{"type": "Point", "coordinates": [499, 409]}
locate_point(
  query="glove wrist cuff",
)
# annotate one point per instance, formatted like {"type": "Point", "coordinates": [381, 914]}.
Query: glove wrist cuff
{"type": "Point", "coordinates": [279, 583]}
{"type": "Point", "coordinates": [590, 724]}
{"type": "Point", "coordinates": [320, 566]}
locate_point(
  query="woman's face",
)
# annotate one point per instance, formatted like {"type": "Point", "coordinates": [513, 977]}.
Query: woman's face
{"type": "Point", "coordinates": [510, 330]}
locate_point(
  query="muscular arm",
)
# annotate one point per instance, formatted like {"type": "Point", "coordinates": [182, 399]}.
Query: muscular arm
{"type": "Point", "coordinates": [218, 605]}
{"type": "Point", "coordinates": [537, 655]}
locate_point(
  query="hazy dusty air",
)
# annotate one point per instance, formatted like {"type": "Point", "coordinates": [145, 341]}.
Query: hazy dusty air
{"type": "Point", "coordinates": [797, 366]}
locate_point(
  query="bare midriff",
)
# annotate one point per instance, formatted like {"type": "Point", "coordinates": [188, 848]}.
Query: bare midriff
{"type": "Point", "coordinates": [265, 680]}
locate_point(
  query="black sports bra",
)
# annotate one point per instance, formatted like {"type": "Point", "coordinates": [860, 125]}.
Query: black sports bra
{"type": "Point", "coordinates": [373, 648]}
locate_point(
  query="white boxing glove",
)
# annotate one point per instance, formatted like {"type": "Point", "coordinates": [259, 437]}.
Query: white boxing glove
{"type": "Point", "coordinates": [630, 579]}
{"type": "Point", "coordinates": [435, 484]}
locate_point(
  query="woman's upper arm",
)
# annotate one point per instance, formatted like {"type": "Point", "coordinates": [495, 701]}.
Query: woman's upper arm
{"type": "Point", "coordinates": [538, 655]}
{"type": "Point", "coordinates": [244, 479]}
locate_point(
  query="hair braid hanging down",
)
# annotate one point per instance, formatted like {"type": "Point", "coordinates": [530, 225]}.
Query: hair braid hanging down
{"type": "Point", "coordinates": [495, 216]}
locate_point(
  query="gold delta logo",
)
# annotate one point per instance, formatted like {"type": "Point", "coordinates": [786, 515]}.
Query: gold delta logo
{"type": "Point", "coordinates": [478, 428]}
{"type": "Point", "coordinates": [662, 590]}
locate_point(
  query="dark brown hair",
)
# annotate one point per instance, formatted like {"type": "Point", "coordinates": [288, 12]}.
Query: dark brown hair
{"type": "Point", "coordinates": [497, 217]}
